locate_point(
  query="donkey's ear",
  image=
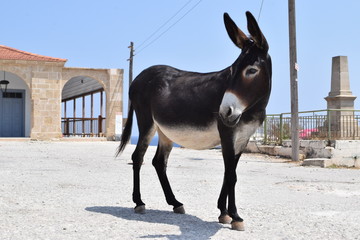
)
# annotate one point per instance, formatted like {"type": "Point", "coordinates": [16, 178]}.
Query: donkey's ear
{"type": "Point", "coordinates": [235, 34]}
{"type": "Point", "coordinates": [256, 33]}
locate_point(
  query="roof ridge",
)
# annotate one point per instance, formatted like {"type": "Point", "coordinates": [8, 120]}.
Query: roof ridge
{"type": "Point", "coordinates": [34, 54]}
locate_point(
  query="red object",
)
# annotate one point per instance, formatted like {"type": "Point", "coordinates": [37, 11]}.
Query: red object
{"type": "Point", "coordinates": [307, 132]}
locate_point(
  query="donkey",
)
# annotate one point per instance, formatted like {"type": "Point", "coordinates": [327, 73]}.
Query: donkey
{"type": "Point", "coordinates": [201, 111]}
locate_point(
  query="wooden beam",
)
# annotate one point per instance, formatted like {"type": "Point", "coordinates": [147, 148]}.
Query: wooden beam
{"type": "Point", "coordinates": [86, 94]}
{"type": "Point", "coordinates": [64, 109]}
{"type": "Point", "coordinates": [83, 114]}
{"type": "Point", "coordinates": [101, 103]}
{"type": "Point", "coordinates": [92, 112]}
{"type": "Point", "coordinates": [74, 115]}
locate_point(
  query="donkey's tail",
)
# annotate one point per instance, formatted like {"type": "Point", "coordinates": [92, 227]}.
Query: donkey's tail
{"type": "Point", "coordinates": [125, 137]}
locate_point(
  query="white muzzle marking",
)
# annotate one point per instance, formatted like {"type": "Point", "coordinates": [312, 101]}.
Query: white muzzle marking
{"type": "Point", "coordinates": [231, 109]}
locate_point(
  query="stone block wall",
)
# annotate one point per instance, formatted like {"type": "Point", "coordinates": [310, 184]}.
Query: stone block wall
{"type": "Point", "coordinates": [114, 100]}
{"type": "Point", "coordinates": [46, 101]}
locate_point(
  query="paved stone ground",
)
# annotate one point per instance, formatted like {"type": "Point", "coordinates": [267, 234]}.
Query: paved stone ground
{"type": "Point", "coordinates": [78, 190]}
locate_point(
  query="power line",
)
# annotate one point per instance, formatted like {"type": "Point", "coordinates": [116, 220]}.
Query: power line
{"type": "Point", "coordinates": [171, 18]}
{"type": "Point", "coordinates": [171, 26]}
{"type": "Point", "coordinates": [261, 6]}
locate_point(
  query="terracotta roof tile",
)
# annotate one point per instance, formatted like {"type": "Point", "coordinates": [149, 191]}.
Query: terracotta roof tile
{"type": "Point", "coordinates": [8, 53]}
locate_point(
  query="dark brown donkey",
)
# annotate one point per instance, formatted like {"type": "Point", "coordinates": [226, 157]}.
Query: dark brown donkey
{"type": "Point", "coordinates": [201, 111]}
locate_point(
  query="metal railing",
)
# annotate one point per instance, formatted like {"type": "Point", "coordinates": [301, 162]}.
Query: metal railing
{"type": "Point", "coordinates": [328, 124]}
{"type": "Point", "coordinates": [83, 127]}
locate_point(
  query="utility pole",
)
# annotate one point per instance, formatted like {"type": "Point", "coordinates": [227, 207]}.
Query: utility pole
{"type": "Point", "coordinates": [131, 66]}
{"type": "Point", "coordinates": [293, 83]}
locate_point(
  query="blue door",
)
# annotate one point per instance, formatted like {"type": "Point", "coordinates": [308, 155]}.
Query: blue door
{"type": "Point", "coordinates": [12, 112]}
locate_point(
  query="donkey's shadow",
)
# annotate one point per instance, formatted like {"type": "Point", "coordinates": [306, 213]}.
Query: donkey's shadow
{"type": "Point", "coordinates": [191, 227]}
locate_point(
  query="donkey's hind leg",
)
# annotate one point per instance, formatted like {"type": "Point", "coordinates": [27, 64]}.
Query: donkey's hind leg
{"type": "Point", "coordinates": [146, 133]}
{"type": "Point", "coordinates": [160, 163]}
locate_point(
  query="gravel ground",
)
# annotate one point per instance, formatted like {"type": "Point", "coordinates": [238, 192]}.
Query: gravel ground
{"type": "Point", "coordinates": [78, 190]}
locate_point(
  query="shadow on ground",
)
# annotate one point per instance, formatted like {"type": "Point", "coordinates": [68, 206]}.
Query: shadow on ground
{"type": "Point", "coordinates": [191, 227]}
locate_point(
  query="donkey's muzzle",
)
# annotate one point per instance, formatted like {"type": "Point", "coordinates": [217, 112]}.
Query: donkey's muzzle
{"type": "Point", "coordinates": [230, 116]}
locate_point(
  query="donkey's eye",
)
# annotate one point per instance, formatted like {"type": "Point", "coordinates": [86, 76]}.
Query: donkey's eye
{"type": "Point", "coordinates": [251, 71]}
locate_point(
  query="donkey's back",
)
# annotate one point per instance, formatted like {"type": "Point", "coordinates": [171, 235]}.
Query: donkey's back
{"type": "Point", "coordinates": [182, 105]}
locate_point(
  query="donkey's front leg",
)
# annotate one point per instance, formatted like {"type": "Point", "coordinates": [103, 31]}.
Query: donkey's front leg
{"type": "Point", "coordinates": [230, 181]}
{"type": "Point", "coordinates": [230, 178]}
{"type": "Point", "coordinates": [224, 214]}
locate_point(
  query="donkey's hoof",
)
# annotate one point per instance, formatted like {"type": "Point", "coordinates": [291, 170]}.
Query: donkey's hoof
{"type": "Point", "coordinates": [238, 226]}
{"type": "Point", "coordinates": [180, 210]}
{"type": "Point", "coordinates": [140, 209]}
{"type": "Point", "coordinates": [225, 219]}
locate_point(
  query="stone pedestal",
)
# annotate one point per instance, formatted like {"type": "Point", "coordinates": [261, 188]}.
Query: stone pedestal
{"type": "Point", "coordinates": [340, 98]}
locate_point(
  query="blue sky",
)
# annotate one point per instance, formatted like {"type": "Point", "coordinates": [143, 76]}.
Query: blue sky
{"type": "Point", "coordinates": [97, 34]}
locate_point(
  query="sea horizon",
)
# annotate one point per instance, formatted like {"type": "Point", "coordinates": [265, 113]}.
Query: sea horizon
{"type": "Point", "coordinates": [154, 141]}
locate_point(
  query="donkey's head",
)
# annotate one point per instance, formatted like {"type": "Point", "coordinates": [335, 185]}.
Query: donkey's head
{"type": "Point", "coordinates": [250, 75]}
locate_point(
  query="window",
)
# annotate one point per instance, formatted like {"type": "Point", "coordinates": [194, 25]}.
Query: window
{"type": "Point", "coordinates": [12, 95]}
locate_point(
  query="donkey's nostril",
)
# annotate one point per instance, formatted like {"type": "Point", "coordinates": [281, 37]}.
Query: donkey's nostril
{"type": "Point", "coordinates": [230, 115]}
{"type": "Point", "coordinates": [229, 112]}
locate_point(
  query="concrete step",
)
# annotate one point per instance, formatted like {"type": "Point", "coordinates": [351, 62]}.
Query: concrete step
{"type": "Point", "coordinates": [317, 162]}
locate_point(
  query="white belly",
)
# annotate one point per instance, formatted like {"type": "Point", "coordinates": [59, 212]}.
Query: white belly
{"type": "Point", "coordinates": [209, 137]}
{"type": "Point", "coordinates": [190, 137]}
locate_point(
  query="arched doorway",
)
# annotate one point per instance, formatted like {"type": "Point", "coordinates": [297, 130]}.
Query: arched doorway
{"type": "Point", "coordinates": [83, 108]}
{"type": "Point", "coordinates": [15, 107]}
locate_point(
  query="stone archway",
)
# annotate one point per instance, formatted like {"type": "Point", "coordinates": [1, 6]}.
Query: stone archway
{"type": "Point", "coordinates": [83, 108]}
{"type": "Point", "coordinates": [15, 107]}
{"type": "Point", "coordinates": [111, 81]}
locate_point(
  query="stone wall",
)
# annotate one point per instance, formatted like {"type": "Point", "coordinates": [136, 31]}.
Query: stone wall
{"type": "Point", "coordinates": [46, 101]}
{"type": "Point", "coordinates": [114, 101]}
{"type": "Point", "coordinates": [340, 152]}
{"type": "Point", "coordinates": [46, 81]}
